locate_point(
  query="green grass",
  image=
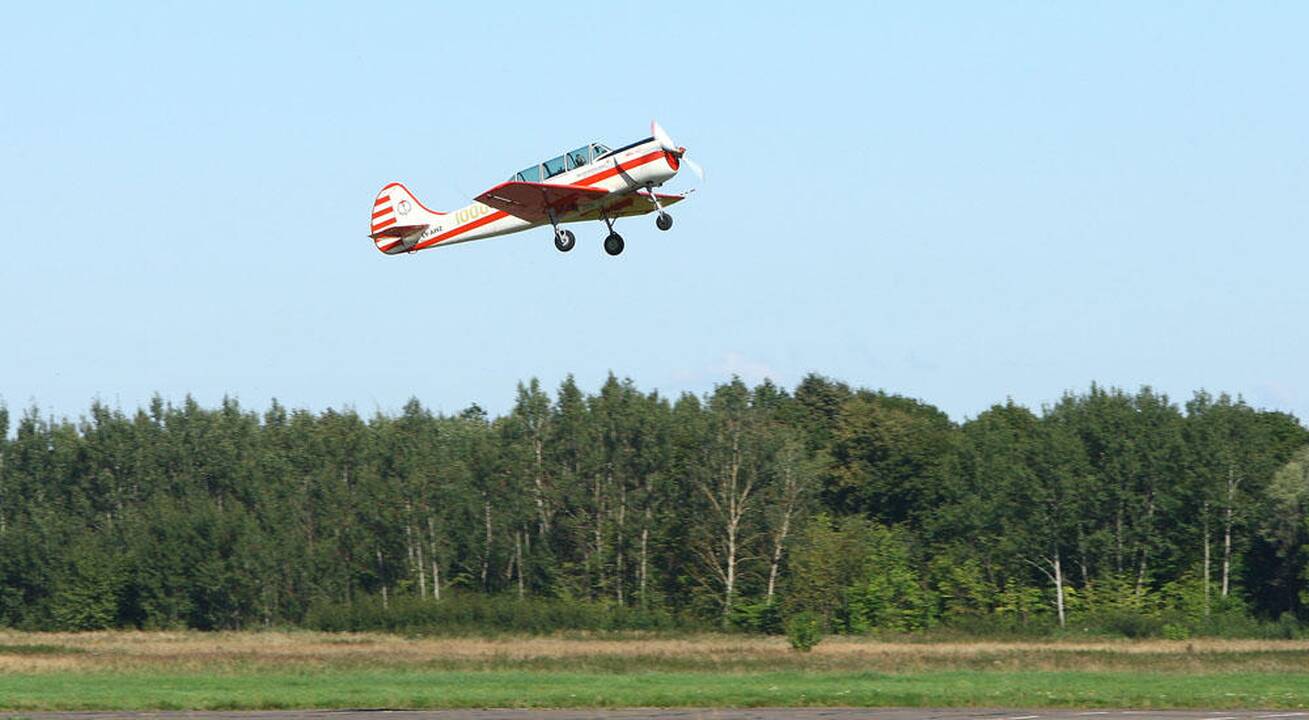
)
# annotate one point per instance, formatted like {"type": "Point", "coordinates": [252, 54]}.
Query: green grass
{"type": "Point", "coordinates": [124, 671]}
{"type": "Point", "coordinates": [516, 688]}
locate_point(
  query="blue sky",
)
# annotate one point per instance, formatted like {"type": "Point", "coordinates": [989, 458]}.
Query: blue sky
{"type": "Point", "coordinates": [961, 202]}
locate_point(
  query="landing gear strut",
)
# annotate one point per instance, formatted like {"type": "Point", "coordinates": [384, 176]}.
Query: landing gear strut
{"type": "Point", "coordinates": [664, 221]}
{"type": "Point", "coordinates": [614, 241]}
{"type": "Point", "coordinates": [564, 239]}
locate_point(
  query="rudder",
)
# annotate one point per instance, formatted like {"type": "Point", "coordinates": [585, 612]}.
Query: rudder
{"type": "Point", "coordinates": [398, 218]}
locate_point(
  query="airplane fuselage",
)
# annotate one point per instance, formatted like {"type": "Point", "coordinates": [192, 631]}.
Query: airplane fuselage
{"type": "Point", "coordinates": [639, 166]}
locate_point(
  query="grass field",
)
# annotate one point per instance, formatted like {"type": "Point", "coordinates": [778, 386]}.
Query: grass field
{"type": "Point", "coordinates": [183, 670]}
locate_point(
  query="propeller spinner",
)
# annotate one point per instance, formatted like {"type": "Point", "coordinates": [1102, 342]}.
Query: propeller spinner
{"type": "Point", "coordinates": [666, 142]}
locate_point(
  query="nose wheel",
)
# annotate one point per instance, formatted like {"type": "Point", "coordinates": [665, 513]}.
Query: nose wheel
{"type": "Point", "coordinates": [664, 221]}
{"type": "Point", "coordinates": [564, 240]}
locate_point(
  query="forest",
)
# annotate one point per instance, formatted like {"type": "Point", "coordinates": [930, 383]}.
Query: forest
{"type": "Point", "coordinates": [623, 508]}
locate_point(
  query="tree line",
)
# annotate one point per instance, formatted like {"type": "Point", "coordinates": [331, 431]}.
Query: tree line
{"type": "Point", "coordinates": [738, 508]}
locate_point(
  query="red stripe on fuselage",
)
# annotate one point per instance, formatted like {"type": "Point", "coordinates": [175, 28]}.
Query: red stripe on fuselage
{"type": "Point", "coordinates": [497, 215]}
{"type": "Point", "coordinates": [606, 174]}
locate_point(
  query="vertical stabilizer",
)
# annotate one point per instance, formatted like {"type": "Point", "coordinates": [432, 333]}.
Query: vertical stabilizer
{"type": "Point", "coordinates": [398, 218]}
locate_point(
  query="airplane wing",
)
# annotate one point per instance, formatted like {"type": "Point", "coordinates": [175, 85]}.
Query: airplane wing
{"type": "Point", "coordinates": [627, 205]}
{"type": "Point", "coordinates": [534, 201]}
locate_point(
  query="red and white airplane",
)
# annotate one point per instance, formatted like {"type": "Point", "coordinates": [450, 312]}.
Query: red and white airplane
{"type": "Point", "coordinates": [589, 183]}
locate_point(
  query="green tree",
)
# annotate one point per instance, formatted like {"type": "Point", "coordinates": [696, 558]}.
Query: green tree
{"type": "Point", "coordinates": [888, 458]}
{"type": "Point", "coordinates": [1285, 526]}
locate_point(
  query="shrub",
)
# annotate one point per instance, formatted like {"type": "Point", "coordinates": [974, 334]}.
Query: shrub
{"type": "Point", "coordinates": [1128, 623]}
{"type": "Point", "coordinates": [1235, 624]}
{"type": "Point", "coordinates": [804, 631]}
{"type": "Point", "coordinates": [1003, 626]}
{"type": "Point", "coordinates": [762, 617]}
{"type": "Point", "coordinates": [461, 614]}
{"type": "Point", "coordinates": [1288, 628]}
{"type": "Point", "coordinates": [1021, 602]}
{"type": "Point", "coordinates": [962, 586]}
{"type": "Point", "coordinates": [859, 575]}
{"type": "Point", "coordinates": [1174, 631]}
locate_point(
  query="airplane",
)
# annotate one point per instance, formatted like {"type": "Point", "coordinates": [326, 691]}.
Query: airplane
{"type": "Point", "coordinates": [592, 182]}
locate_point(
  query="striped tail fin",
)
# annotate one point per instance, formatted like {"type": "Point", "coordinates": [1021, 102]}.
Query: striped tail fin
{"type": "Point", "coordinates": [398, 218]}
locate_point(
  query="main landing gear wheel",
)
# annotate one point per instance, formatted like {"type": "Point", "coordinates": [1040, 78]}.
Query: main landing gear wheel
{"type": "Point", "coordinates": [664, 221]}
{"type": "Point", "coordinates": [614, 244]}
{"type": "Point", "coordinates": [565, 240]}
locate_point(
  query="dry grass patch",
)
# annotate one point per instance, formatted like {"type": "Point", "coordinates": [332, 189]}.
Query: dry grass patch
{"type": "Point", "coordinates": [291, 651]}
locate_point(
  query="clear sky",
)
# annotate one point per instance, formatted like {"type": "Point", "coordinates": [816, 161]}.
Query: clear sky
{"type": "Point", "coordinates": [960, 202]}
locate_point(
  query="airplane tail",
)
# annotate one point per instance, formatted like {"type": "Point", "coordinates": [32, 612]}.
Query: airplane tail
{"type": "Point", "coordinates": [398, 218]}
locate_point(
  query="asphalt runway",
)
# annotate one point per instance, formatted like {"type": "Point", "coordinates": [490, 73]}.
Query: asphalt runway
{"type": "Point", "coordinates": [683, 714]}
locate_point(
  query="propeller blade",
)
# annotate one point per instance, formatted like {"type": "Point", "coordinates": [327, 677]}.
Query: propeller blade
{"type": "Point", "coordinates": [661, 137]}
{"type": "Point", "coordinates": [695, 167]}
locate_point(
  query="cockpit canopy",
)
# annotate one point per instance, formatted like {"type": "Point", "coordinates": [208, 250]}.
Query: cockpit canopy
{"type": "Point", "coordinates": [584, 155]}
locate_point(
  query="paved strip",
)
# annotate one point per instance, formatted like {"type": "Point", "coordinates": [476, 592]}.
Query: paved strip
{"type": "Point", "coordinates": [676, 714]}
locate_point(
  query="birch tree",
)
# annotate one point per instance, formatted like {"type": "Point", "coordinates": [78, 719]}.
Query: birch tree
{"type": "Point", "coordinates": [729, 483]}
{"type": "Point", "coordinates": [1229, 454]}
{"type": "Point", "coordinates": [531, 426]}
{"type": "Point", "coordinates": [794, 476]}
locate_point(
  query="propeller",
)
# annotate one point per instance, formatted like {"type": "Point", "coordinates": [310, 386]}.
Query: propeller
{"type": "Point", "coordinates": [666, 142]}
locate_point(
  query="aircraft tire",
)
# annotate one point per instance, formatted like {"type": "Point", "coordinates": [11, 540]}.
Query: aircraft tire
{"type": "Point", "coordinates": [565, 240]}
{"type": "Point", "coordinates": [614, 244]}
{"type": "Point", "coordinates": [664, 221]}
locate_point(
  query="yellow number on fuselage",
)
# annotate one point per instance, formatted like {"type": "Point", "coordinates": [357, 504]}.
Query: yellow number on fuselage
{"type": "Point", "coordinates": [472, 212]}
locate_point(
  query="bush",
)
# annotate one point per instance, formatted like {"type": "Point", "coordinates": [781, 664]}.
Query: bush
{"type": "Point", "coordinates": [804, 630]}
{"type": "Point", "coordinates": [763, 617]}
{"type": "Point", "coordinates": [1000, 626]}
{"type": "Point", "coordinates": [962, 586]}
{"type": "Point", "coordinates": [861, 576]}
{"type": "Point", "coordinates": [1127, 623]}
{"type": "Point", "coordinates": [1174, 631]}
{"type": "Point", "coordinates": [889, 595]}
{"type": "Point", "coordinates": [1235, 624]}
{"type": "Point", "coordinates": [1288, 628]}
{"type": "Point", "coordinates": [460, 614]}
